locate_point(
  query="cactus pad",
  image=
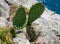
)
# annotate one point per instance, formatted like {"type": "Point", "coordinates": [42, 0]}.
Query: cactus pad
{"type": "Point", "coordinates": [19, 18]}
{"type": "Point", "coordinates": [35, 12]}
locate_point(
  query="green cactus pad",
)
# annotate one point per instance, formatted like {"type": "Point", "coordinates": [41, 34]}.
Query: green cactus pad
{"type": "Point", "coordinates": [35, 12]}
{"type": "Point", "coordinates": [19, 18]}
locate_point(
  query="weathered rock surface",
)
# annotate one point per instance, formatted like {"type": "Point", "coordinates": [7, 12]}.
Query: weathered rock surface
{"type": "Point", "coordinates": [21, 39]}
{"type": "Point", "coordinates": [4, 9]}
{"type": "Point", "coordinates": [4, 13]}
{"type": "Point", "coordinates": [49, 26]}
{"type": "Point", "coordinates": [3, 21]}
{"type": "Point", "coordinates": [17, 2]}
{"type": "Point", "coordinates": [24, 3]}
{"type": "Point", "coordinates": [29, 3]}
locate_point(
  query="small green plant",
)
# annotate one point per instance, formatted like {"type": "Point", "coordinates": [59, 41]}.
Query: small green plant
{"type": "Point", "coordinates": [2, 33]}
{"type": "Point", "coordinates": [13, 33]}
{"type": "Point", "coordinates": [8, 39]}
{"type": "Point", "coordinates": [3, 36]}
{"type": "Point", "coordinates": [20, 19]}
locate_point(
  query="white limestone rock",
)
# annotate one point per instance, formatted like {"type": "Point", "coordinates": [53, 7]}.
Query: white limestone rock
{"type": "Point", "coordinates": [24, 3]}
{"type": "Point", "coordinates": [49, 26]}
{"type": "Point", "coordinates": [4, 9]}
{"type": "Point", "coordinates": [4, 13]}
{"type": "Point", "coordinates": [21, 39]}
{"type": "Point", "coordinates": [29, 3]}
{"type": "Point", "coordinates": [3, 22]}
{"type": "Point", "coordinates": [17, 2]}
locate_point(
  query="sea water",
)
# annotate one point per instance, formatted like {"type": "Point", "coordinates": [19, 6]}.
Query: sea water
{"type": "Point", "coordinates": [53, 5]}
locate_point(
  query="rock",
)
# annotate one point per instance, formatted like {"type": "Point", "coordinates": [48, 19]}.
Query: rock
{"type": "Point", "coordinates": [4, 9]}
{"type": "Point", "coordinates": [17, 2]}
{"type": "Point", "coordinates": [29, 3]}
{"type": "Point", "coordinates": [10, 24]}
{"type": "Point", "coordinates": [48, 25]}
{"type": "Point", "coordinates": [3, 22]}
{"type": "Point", "coordinates": [21, 39]}
{"type": "Point", "coordinates": [12, 12]}
{"type": "Point", "coordinates": [24, 3]}
{"type": "Point", "coordinates": [4, 14]}
{"type": "Point", "coordinates": [47, 40]}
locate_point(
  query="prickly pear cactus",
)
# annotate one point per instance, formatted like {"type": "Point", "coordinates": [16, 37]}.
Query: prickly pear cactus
{"type": "Point", "coordinates": [31, 33]}
{"type": "Point", "coordinates": [19, 18]}
{"type": "Point", "coordinates": [35, 12]}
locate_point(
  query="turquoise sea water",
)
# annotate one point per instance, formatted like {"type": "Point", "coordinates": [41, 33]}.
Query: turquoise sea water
{"type": "Point", "coordinates": [53, 5]}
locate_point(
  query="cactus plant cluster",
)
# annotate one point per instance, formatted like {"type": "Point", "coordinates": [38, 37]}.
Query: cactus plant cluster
{"type": "Point", "coordinates": [20, 17]}
{"type": "Point", "coordinates": [20, 20]}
